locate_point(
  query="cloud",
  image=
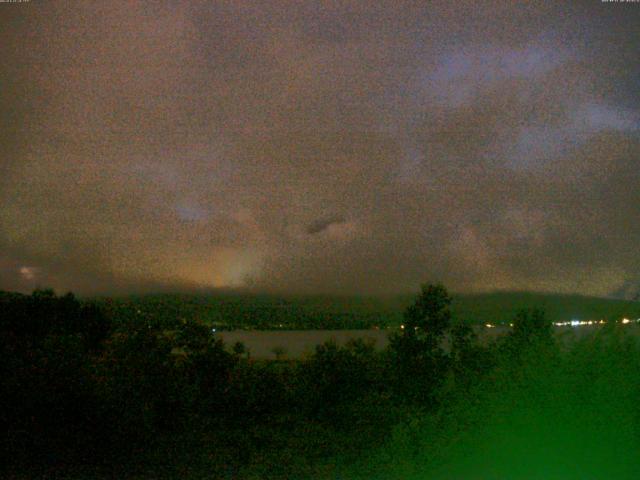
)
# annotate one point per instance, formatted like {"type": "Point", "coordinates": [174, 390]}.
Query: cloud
{"type": "Point", "coordinates": [324, 224]}
{"type": "Point", "coordinates": [186, 145]}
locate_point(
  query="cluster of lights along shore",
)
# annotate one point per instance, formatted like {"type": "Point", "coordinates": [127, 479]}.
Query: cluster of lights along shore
{"type": "Point", "coordinates": [578, 323]}
{"type": "Point", "coordinates": [572, 323]}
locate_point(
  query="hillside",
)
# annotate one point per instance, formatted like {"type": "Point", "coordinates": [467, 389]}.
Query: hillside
{"type": "Point", "coordinates": [331, 312]}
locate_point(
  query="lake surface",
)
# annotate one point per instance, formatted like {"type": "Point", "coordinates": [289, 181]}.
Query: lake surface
{"type": "Point", "coordinates": [297, 343]}
{"type": "Point", "coordinates": [300, 343]}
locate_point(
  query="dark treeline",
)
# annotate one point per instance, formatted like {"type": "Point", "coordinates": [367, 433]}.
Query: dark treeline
{"type": "Point", "coordinates": [87, 395]}
{"type": "Point", "coordinates": [232, 311]}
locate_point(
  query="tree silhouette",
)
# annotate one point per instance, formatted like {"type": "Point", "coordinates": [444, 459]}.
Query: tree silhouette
{"type": "Point", "coordinates": [279, 352]}
{"type": "Point", "coordinates": [531, 327]}
{"type": "Point", "coordinates": [239, 348]}
{"type": "Point", "coordinates": [430, 313]}
{"type": "Point", "coordinates": [421, 363]}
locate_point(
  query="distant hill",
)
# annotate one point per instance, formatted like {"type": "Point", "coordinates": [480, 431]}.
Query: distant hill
{"type": "Point", "coordinates": [6, 297]}
{"type": "Point", "coordinates": [628, 291]}
{"type": "Point", "coordinates": [500, 307]}
{"type": "Point", "coordinates": [351, 312]}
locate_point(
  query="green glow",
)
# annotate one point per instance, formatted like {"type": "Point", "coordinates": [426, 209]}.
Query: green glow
{"type": "Point", "coordinates": [569, 414]}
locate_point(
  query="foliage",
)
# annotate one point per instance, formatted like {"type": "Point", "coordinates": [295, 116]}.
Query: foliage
{"type": "Point", "coordinates": [531, 327]}
{"type": "Point", "coordinates": [570, 413]}
{"type": "Point", "coordinates": [90, 388]}
{"type": "Point", "coordinates": [48, 345]}
{"type": "Point", "coordinates": [335, 377]}
{"type": "Point", "coordinates": [418, 354]}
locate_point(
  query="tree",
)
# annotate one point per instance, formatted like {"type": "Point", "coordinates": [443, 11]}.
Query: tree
{"type": "Point", "coordinates": [469, 360]}
{"type": "Point", "coordinates": [531, 327]}
{"type": "Point", "coordinates": [239, 348]}
{"type": "Point", "coordinates": [421, 363]}
{"type": "Point", "coordinates": [430, 314]}
{"type": "Point", "coordinates": [336, 378]}
{"type": "Point", "coordinates": [279, 352]}
{"type": "Point", "coordinates": [48, 346]}
{"type": "Point", "coordinates": [530, 342]}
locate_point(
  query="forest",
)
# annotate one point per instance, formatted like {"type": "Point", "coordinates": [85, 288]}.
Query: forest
{"type": "Point", "coordinates": [89, 395]}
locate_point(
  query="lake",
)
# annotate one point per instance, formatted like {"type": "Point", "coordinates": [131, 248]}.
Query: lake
{"type": "Point", "coordinates": [300, 343]}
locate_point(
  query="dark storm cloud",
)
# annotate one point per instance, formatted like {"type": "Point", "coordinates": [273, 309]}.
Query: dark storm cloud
{"type": "Point", "coordinates": [181, 145]}
{"type": "Point", "coordinates": [321, 225]}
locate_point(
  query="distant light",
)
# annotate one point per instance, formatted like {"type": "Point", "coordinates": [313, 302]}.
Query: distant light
{"type": "Point", "coordinates": [488, 325]}
{"type": "Point", "coordinates": [402, 327]}
{"type": "Point", "coordinates": [28, 273]}
{"type": "Point", "coordinates": [575, 323]}
{"type": "Point", "coordinates": [625, 320]}
{"type": "Point", "coordinates": [511, 324]}
{"type": "Point", "coordinates": [213, 330]}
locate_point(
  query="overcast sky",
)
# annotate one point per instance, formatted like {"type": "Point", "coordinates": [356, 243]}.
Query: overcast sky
{"type": "Point", "coordinates": [320, 147]}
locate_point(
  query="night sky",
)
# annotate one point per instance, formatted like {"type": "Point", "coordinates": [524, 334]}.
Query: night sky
{"type": "Point", "coordinates": [320, 146]}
